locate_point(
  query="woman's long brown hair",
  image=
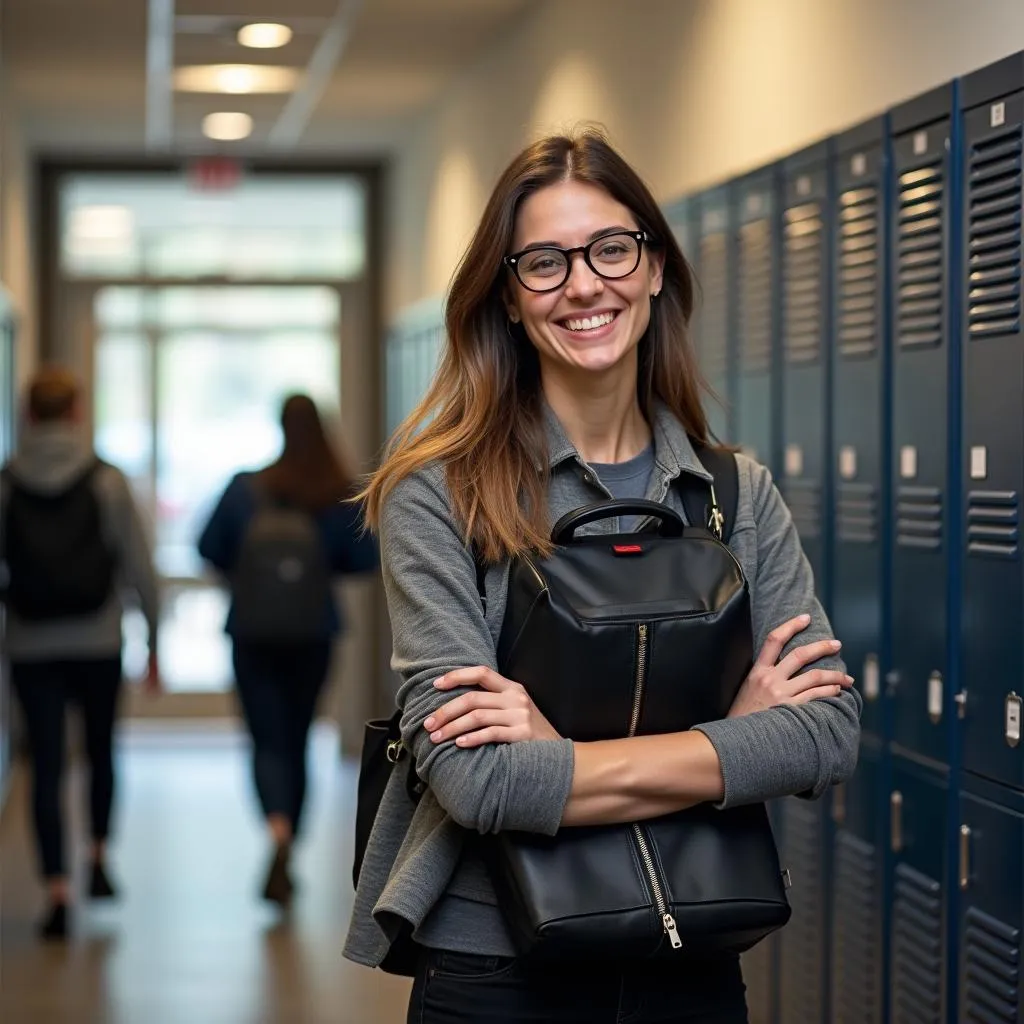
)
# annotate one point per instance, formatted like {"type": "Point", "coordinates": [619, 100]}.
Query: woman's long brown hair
{"type": "Point", "coordinates": [308, 473]}
{"type": "Point", "coordinates": [482, 416]}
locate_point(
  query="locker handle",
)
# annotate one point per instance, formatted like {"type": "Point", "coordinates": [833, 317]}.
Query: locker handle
{"type": "Point", "coordinates": [965, 856]}
{"type": "Point", "coordinates": [896, 821]}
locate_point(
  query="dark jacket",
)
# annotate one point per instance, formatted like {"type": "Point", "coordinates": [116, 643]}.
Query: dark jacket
{"type": "Point", "coordinates": [349, 549]}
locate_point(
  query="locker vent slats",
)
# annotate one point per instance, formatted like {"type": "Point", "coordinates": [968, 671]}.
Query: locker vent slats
{"type": "Point", "coordinates": [993, 523]}
{"type": "Point", "coordinates": [858, 263]}
{"type": "Point", "coordinates": [801, 995]}
{"type": "Point", "coordinates": [802, 302]}
{"type": "Point", "coordinates": [991, 966]}
{"type": "Point", "coordinates": [856, 997]}
{"type": "Point", "coordinates": [994, 235]}
{"type": "Point", "coordinates": [712, 329]}
{"type": "Point", "coordinates": [917, 948]}
{"type": "Point", "coordinates": [919, 233]}
{"type": "Point", "coordinates": [919, 517]}
{"type": "Point", "coordinates": [804, 500]}
{"type": "Point", "coordinates": [857, 513]}
{"type": "Point", "coordinates": [755, 278]}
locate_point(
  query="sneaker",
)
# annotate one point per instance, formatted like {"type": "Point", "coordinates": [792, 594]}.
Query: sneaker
{"type": "Point", "coordinates": [55, 925]}
{"type": "Point", "coordinates": [278, 887]}
{"type": "Point", "coordinates": [100, 886]}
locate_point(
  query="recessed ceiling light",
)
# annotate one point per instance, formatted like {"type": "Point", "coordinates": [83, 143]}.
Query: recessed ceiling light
{"type": "Point", "coordinates": [235, 78]}
{"type": "Point", "coordinates": [264, 35]}
{"type": "Point", "coordinates": [227, 126]}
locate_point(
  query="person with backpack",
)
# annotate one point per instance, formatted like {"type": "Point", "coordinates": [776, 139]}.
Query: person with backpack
{"type": "Point", "coordinates": [71, 540]}
{"type": "Point", "coordinates": [596, 699]}
{"type": "Point", "coordinates": [279, 536]}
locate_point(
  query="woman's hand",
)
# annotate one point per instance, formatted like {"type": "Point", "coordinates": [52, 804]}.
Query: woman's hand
{"type": "Point", "coordinates": [500, 711]}
{"type": "Point", "coordinates": [770, 684]}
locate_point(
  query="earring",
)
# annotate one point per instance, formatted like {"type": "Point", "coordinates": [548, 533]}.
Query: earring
{"type": "Point", "coordinates": [508, 329]}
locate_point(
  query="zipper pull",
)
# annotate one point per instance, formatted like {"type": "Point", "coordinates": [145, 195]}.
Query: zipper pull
{"type": "Point", "coordinates": [668, 922]}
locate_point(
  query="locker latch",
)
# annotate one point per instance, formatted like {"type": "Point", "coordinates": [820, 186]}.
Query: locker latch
{"type": "Point", "coordinates": [961, 704]}
{"type": "Point", "coordinates": [1013, 714]}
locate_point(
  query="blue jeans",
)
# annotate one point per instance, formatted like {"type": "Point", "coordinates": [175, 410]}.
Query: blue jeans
{"type": "Point", "coordinates": [466, 988]}
{"type": "Point", "coordinates": [278, 687]}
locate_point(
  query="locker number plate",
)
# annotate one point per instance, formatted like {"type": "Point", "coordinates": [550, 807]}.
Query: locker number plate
{"type": "Point", "coordinates": [998, 115]}
{"type": "Point", "coordinates": [935, 697]}
{"type": "Point", "coordinates": [794, 460]}
{"type": "Point", "coordinates": [1013, 707]}
{"type": "Point", "coordinates": [848, 462]}
{"type": "Point", "coordinates": [908, 462]}
{"type": "Point", "coordinates": [920, 143]}
{"type": "Point", "coordinates": [979, 462]}
{"type": "Point", "coordinates": [870, 683]}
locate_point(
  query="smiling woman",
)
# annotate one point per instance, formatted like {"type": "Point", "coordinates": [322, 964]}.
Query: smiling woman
{"type": "Point", "coordinates": [568, 378]}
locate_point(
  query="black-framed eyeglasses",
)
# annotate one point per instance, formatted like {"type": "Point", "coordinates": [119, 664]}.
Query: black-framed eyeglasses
{"type": "Point", "coordinates": [545, 268]}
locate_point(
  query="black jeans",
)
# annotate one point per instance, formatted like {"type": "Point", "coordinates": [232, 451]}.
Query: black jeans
{"type": "Point", "coordinates": [278, 686]}
{"type": "Point", "coordinates": [43, 689]}
{"type": "Point", "coordinates": [464, 988]}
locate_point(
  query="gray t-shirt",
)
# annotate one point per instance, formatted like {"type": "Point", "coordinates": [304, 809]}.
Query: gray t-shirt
{"type": "Point", "coordinates": [627, 479]}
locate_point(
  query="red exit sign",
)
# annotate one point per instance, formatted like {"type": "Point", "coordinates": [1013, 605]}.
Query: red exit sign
{"type": "Point", "coordinates": [214, 173]}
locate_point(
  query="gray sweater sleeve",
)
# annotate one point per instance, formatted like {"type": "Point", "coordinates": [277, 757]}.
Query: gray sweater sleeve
{"type": "Point", "coordinates": [134, 546]}
{"type": "Point", "coordinates": [785, 750]}
{"type": "Point", "coordinates": [438, 625]}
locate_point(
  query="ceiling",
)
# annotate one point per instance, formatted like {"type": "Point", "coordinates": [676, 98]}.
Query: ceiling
{"type": "Point", "coordinates": [76, 72]}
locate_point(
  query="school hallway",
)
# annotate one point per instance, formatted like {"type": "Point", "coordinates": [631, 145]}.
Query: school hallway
{"type": "Point", "coordinates": [190, 942]}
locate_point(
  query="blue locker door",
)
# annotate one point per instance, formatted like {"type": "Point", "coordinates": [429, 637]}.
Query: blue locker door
{"type": "Point", "coordinates": [917, 836]}
{"type": "Point", "coordinates": [712, 328]}
{"type": "Point", "coordinates": [991, 878]}
{"type": "Point", "coordinates": [680, 216]}
{"type": "Point", "coordinates": [803, 953]}
{"type": "Point", "coordinates": [805, 354]}
{"type": "Point", "coordinates": [920, 430]}
{"type": "Point", "coordinates": [757, 270]}
{"type": "Point", "coordinates": [859, 410]}
{"type": "Point", "coordinates": [856, 987]}
{"type": "Point", "coordinates": [993, 437]}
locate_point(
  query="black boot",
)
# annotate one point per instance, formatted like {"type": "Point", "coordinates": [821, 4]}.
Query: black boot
{"type": "Point", "coordinates": [100, 886]}
{"type": "Point", "coordinates": [278, 887]}
{"type": "Point", "coordinates": [55, 924]}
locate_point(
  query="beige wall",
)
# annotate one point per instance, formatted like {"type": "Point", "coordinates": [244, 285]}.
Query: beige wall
{"type": "Point", "coordinates": [17, 242]}
{"type": "Point", "coordinates": [692, 92]}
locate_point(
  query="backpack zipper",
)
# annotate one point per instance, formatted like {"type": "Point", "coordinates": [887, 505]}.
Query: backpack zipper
{"type": "Point", "coordinates": [668, 922]}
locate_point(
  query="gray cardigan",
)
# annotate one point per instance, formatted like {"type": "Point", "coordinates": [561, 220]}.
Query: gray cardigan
{"type": "Point", "coordinates": [419, 867]}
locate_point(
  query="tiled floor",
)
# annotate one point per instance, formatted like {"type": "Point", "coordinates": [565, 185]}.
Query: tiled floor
{"type": "Point", "coordinates": [190, 943]}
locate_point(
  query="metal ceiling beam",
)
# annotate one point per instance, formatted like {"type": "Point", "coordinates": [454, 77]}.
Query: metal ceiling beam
{"type": "Point", "coordinates": [291, 123]}
{"type": "Point", "coordinates": [159, 71]}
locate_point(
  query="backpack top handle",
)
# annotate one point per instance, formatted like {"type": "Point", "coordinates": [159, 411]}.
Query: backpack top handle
{"type": "Point", "coordinates": [669, 523]}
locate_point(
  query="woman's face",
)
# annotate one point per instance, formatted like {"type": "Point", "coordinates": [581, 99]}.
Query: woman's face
{"type": "Point", "coordinates": [590, 323]}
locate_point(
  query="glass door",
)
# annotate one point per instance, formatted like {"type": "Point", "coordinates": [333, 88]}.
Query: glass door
{"type": "Point", "coordinates": [188, 382]}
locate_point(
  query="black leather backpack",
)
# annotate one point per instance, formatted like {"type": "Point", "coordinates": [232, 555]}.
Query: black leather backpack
{"type": "Point", "coordinates": [618, 635]}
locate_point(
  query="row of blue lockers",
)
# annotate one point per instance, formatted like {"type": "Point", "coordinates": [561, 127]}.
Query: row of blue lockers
{"type": "Point", "coordinates": [861, 319]}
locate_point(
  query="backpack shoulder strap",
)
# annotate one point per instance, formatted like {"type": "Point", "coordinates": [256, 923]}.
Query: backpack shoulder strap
{"type": "Point", "coordinates": [721, 464]}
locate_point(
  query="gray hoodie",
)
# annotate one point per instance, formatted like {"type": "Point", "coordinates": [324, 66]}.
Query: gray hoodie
{"type": "Point", "coordinates": [50, 457]}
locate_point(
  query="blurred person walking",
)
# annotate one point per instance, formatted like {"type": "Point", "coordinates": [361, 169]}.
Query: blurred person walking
{"type": "Point", "coordinates": [72, 539]}
{"type": "Point", "coordinates": [280, 535]}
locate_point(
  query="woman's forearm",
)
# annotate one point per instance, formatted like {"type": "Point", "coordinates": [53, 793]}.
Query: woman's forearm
{"type": "Point", "coordinates": [641, 777]}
